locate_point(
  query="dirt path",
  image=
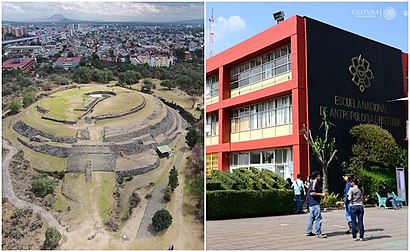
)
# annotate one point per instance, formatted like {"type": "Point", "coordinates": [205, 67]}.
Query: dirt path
{"type": "Point", "coordinates": [157, 202]}
{"type": "Point", "coordinates": [95, 132]}
{"type": "Point", "coordinates": [8, 192]}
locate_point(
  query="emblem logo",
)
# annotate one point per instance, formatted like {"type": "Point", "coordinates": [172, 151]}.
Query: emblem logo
{"type": "Point", "coordinates": [360, 70]}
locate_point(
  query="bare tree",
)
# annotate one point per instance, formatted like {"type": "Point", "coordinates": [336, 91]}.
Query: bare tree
{"type": "Point", "coordinates": [324, 149]}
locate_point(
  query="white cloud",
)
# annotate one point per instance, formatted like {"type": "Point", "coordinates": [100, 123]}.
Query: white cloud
{"type": "Point", "coordinates": [224, 27]}
{"type": "Point", "coordinates": [233, 23]}
{"type": "Point", "coordinates": [109, 11]}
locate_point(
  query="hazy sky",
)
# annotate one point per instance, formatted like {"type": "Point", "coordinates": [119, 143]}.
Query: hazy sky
{"type": "Point", "coordinates": [385, 22]}
{"type": "Point", "coordinates": [107, 11]}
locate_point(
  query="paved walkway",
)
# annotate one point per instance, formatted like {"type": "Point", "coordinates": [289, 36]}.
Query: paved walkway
{"type": "Point", "coordinates": [384, 229]}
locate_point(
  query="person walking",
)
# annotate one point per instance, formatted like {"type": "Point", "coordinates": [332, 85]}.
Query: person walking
{"type": "Point", "coordinates": [356, 198]}
{"type": "Point", "coordinates": [313, 197]}
{"type": "Point", "coordinates": [298, 189]}
{"type": "Point", "coordinates": [348, 179]}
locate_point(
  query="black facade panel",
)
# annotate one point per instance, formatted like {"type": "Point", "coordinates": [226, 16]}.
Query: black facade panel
{"type": "Point", "coordinates": [330, 86]}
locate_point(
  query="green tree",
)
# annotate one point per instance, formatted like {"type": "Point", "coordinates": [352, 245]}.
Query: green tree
{"type": "Point", "coordinates": [162, 219]}
{"type": "Point", "coordinates": [168, 84]}
{"type": "Point", "coordinates": [129, 77]}
{"type": "Point", "coordinates": [374, 146]}
{"type": "Point", "coordinates": [173, 178]}
{"type": "Point", "coordinates": [375, 157]}
{"type": "Point", "coordinates": [82, 75]}
{"type": "Point", "coordinates": [147, 86]}
{"type": "Point", "coordinates": [53, 238]}
{"type": "Point", "coordinates": [24, 82]}
{"type": "Point", "coordinates": [14, 106]}
{"type": "Point", "coordinates": [70, 54]}
{"type": "Point", "coordinates": [192, 137]}
{"type": "Point", "coordinates": [323, 148]}
{"type": "Point", "coordinates": [42, 186]}
{"type": "Point", "coordinates": [29, 96]}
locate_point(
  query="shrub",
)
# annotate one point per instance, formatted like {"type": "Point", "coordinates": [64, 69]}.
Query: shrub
{"type": "Point", "coordinates": [167, 194]}
{"type": "Point", "coordinates": [134, 200]}
{"type": "Point", "coordinates": [60, 80]}
{"type": "Point", "coordinates": [173, 179]}
{"type": "Point", "coordinates": [111, 225]}
{"type": "Point", "coordinates": [192, 137]}
{"type": "Point", "coordinates": [226, 204]}
{"type": "Point", "coordinates": [213, 185]}
{"type": "Point", "coordinates": [42, 186]}
{"type": "Point", "coordinates": [29, 96]}
{"type": "Point", "coordinates": [329, 200]}
{"type": "Point", "coordinates": [14, 106]}
{"type": "Point", "coordinates": [162, 219]}
{"type": "Point", "coordinates": [53, 237]}
{"type": "Point", "coordinates": [248, 179]}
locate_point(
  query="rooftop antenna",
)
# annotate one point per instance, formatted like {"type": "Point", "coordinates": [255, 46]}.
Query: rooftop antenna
{"type": "Point", "coordinates": [211, 34]}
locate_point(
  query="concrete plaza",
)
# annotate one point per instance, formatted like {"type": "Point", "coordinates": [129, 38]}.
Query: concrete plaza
{"type": "Point", "coordinates": [384, 230]}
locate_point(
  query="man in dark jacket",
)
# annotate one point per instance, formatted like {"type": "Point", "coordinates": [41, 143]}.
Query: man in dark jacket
{"type": "Point", "coordinates": [313, 197]}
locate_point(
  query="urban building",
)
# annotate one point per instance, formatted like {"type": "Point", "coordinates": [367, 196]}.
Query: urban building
{"type": "Point", "coordinates": [67, 62]}
{"type": "Point", "coordinates": [261, 92]}
{"type": "Point", "coordinates": [24, 64]}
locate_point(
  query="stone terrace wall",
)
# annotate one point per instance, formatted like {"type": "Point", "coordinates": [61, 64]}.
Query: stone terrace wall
{"type": "Point", "coordinates": [30, 132]}
{"type": "Point", "coordinates": [58, 120]}
{"type": "Point", "coordinates": [57, 151]}
{"type": "Point", "coordinates": [132, 148]}
{"type": "Point", "coordinates": [41, 110]}
{"type": "Point", "coordinates": [101, 157]}
{"type": "Point", "coordinates": [138, 171]}
{"type": "Point", "coordinates": [155, 130]}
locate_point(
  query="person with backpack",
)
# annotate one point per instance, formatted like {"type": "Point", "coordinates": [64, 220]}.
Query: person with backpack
{"type": "Point", "coordinates": [298, 189]}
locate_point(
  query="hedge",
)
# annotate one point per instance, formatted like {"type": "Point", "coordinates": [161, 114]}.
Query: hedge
{"type": "Point", "coordinates": [227, 204]}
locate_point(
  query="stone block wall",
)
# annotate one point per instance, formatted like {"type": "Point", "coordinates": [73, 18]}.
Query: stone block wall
{"type": "Point", "coordinates": [57, 151]}
{"type": "Point", "coordinates": [30, 132]}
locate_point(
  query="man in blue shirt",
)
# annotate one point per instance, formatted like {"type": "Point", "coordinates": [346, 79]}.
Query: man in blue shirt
{"type": "Point", "coordinates": [313, 198]}
{"type": "Point", "coordinates": [348, 179]}
{"type": "Point", "coordinates": [299, 192]}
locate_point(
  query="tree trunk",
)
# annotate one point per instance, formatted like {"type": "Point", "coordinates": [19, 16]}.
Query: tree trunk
{"type": "Point", "coordinates": [325, 178]}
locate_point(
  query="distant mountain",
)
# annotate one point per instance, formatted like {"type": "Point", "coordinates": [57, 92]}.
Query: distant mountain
{"type": "Point", "coordinates": [55, 18]}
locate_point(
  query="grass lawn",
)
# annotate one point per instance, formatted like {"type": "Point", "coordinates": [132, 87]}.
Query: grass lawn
{"type": "Point", "coordinates": [129, 120]}
{"type": "Point", "coordinates": [103, 187]}
{"type": "Point", "coordinates": [122, 102]}
{"type": "Point", "coordinates": [176, 95]}
{"type": "Point", "coordinates": [33, 118]}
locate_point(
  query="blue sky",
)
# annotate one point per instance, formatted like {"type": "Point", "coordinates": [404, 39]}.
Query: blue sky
{"type": "Point", "coordinates": [237, 21]}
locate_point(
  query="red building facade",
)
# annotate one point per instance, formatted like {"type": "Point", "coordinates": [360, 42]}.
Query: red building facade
{"type": "Point", "coordinates": [257, 102]}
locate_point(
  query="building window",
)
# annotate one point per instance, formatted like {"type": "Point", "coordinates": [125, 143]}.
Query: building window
{"type": "Point", "coordinates": [276, 160]}
{"type": "Point", "coordinates": [263, 67]}
{"type": "Point", "coordinates": [262, 115]}
{"type": "Point", "coordinates": [211, 163]}
{"type": "Point", "coordinates": [212, 87]}
{"type": "Point", "coordinates": [211, 127]}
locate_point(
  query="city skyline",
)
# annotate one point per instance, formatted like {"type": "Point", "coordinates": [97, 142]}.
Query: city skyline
{"type": "Point", "coordinates": [104, 11]}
